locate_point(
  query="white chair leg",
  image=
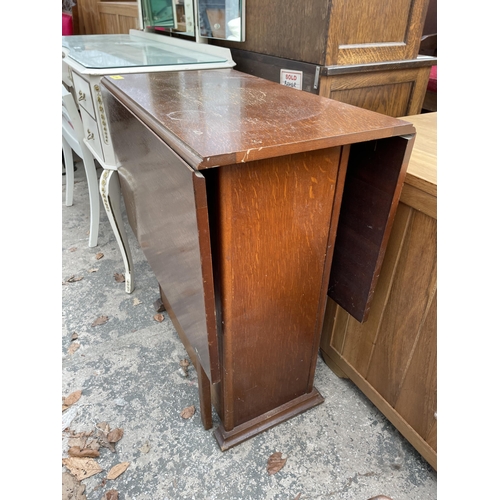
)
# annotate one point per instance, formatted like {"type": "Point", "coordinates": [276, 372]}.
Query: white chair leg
{"type": "Point", "coordinates": [70, 175]}
{"type": "Point", "coordinates": [111, 196]}
{"type": "Point", "coordinates": [93, 185]}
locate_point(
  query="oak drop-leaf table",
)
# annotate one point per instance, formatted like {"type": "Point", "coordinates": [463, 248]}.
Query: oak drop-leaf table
{"type": "Point", "coordinates": [233, 186]}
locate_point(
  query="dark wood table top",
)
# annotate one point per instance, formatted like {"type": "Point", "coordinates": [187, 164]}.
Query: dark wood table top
{"type": "Point", "coordinates": [220, 117]}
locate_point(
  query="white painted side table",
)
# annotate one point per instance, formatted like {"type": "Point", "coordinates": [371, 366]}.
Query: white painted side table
{"type": "Point", "coordinates": [86, 59]}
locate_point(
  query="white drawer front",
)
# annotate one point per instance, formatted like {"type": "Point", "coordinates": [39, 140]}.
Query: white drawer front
{"type": "Point", "coordinates": [83, 94]}
{"type": "Point", "coordinates": [91, 134]}
{"type": "Point", "coordinates": [66, 75]}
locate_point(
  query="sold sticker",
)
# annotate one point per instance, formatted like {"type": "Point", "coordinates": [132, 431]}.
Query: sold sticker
{"type": "Point", "coordinates": [291, 79]}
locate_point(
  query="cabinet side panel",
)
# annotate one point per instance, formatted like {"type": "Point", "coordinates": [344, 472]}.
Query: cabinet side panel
{"type": "Point", "coordinates": [275, 220]}
{"type": "Point", "coordinates": [293, 30]}
{"type": "Point", "coordinates": [166, 201]}
{"type": "Point", "coordinates": [411, 295]}
{"type": "Point", "coordinates": [417, 402]}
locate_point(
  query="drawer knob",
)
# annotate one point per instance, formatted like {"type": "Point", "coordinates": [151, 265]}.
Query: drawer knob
{"type": "Point", "coordinates": [81, 96]}
{"type": "Point", "coordinates": [90, 135]}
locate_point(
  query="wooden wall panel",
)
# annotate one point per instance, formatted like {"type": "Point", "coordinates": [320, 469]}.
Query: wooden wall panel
{"type": "Point", "coordinates": [118, 17]}
{"type": "Point", "coordinates": [88, 17]}
{"type": "Point", "coordinates": [89, 14]}
{"type": "Point", "coordinates": [392, 356]}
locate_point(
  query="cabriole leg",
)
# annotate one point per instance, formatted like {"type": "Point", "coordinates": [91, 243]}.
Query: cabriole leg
{"type": "Point", "coordinates": [111, 195]}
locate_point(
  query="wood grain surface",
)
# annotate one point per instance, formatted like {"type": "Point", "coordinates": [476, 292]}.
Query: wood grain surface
{"type": "Point", "coordinates": [220, 117]}
{"type": "Point", "coordinates": [327, 32]}
{"type": "Point", "coordinates": [273, 233]}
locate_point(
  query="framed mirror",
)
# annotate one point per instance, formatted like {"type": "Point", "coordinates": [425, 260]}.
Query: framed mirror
{"type": "Point", "coordinates": [222, 19]}
{"type": "Point", "coordinates": [169, 15]}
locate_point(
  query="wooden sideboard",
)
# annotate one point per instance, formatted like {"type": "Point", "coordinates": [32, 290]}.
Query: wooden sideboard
{"type": "Point", "coordinates": [392, 356]}
{"type": "Point", "coordinates": [361, 52]}
{"type": "Point", "coordinates": [233, 188]}
{"type": "Point", "coordinates": [85, 59]}
{"type": "Point", "coordinates": [340, 32]}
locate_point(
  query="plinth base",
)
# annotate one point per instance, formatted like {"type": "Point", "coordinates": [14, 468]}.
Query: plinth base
{"type": "Point", "coordinates": [228, 439]}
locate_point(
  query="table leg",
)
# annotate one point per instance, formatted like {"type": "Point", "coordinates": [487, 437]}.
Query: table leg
{"type": "Point", "coordinates": [205, 397]}
{"type": "Point", "coordinates": [110, 193]}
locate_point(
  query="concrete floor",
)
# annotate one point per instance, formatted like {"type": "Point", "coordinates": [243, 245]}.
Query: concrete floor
{"type": "Point", "coordinates": [129, 372]}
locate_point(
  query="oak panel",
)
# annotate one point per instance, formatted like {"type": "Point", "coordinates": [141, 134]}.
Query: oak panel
{"type": "Point", "coordinates": [366, 22]}
{"type": "Point", "coordinates": [364, 31]}
{"type": "Point", "coordinates": [327, 32]}
{"type": "Point", "coordinates": [92, 22]}
{"type": "Point", "coordinates": [293, 30]}
{"type": "Point", "coordinates": [417, 401]}
{"type": "Point", "coordinates": [411, 294]}
{"type": "Point", "coordinates": [394, 92]}
{"type": "Point", "coordinates": [118, 17]}
{"type": "Point", "coordinates": [274, 225]}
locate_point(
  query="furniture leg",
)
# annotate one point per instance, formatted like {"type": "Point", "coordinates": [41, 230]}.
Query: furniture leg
{"type": "Point", "coordinates": [205, 397]}
{"type": "Point", "coordinates": [91, 174]}
{"type": "Point", "coordinates": [110, 193]}
{"type": "Point", "coordinates": [70, 174]}
{"type": "Point", "coordinates": [204, 385]}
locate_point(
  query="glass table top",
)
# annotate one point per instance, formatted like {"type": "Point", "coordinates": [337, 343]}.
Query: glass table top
{"type": "Point", "coordinates": [125, 51]}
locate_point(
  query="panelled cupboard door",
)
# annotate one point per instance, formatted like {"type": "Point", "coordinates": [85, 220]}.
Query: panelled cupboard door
{"type": "Point", "coordinates": [396, 91]}
{"type": "Point", "coordinates": [327, 32]}
{"type": "Point", "coordinates": [363, 31]}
